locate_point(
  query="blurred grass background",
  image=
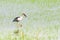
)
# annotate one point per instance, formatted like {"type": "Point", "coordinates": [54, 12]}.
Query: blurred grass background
{"type": "Point", "coordinates": [42, 23]}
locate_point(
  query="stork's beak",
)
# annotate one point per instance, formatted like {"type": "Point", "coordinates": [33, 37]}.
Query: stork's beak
{"type": "Point", "coordinates": [24, 14]}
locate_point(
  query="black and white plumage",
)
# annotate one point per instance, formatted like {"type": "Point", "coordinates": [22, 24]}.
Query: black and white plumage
{"type": "Point", "coordinates": [17, 19]}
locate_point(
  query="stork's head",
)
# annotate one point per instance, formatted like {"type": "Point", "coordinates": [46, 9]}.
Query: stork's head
{"type": "Point", "coordinates": [24, 14]}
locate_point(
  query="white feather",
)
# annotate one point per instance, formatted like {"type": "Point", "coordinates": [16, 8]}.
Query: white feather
{"type": "Point", "coordinates": [20, 18]}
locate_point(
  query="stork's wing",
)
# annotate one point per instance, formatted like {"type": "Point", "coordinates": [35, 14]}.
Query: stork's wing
{"type": "Point", "coordinates": [15, 19]}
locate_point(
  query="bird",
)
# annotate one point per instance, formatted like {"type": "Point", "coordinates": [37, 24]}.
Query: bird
{"type": "Point", "coordinates": [19, 18]}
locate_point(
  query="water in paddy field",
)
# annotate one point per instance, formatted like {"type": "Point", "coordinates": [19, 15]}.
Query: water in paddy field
{"type": "Point", "coordinates": [43, 17]}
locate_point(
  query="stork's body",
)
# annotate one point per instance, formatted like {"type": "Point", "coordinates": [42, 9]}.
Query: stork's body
{"type": "Point", "coordinates": [17, 19]}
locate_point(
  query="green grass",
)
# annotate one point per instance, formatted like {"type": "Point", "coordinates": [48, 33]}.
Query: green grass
{"type": "Point", "coordinates": [49, 33]}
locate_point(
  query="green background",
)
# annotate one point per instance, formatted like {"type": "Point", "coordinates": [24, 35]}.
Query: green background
{"type": "Point", "coordinates": [43, 19]}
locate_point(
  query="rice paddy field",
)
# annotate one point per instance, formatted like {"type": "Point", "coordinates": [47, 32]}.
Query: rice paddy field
{"type": "Point", "coordinates": [42, 22]}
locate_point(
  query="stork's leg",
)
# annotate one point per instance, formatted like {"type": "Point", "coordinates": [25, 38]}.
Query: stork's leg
{"type": "Point", "coordinates": [20, 25]}
{"type": "Point", "coordinates": [19, 31]}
